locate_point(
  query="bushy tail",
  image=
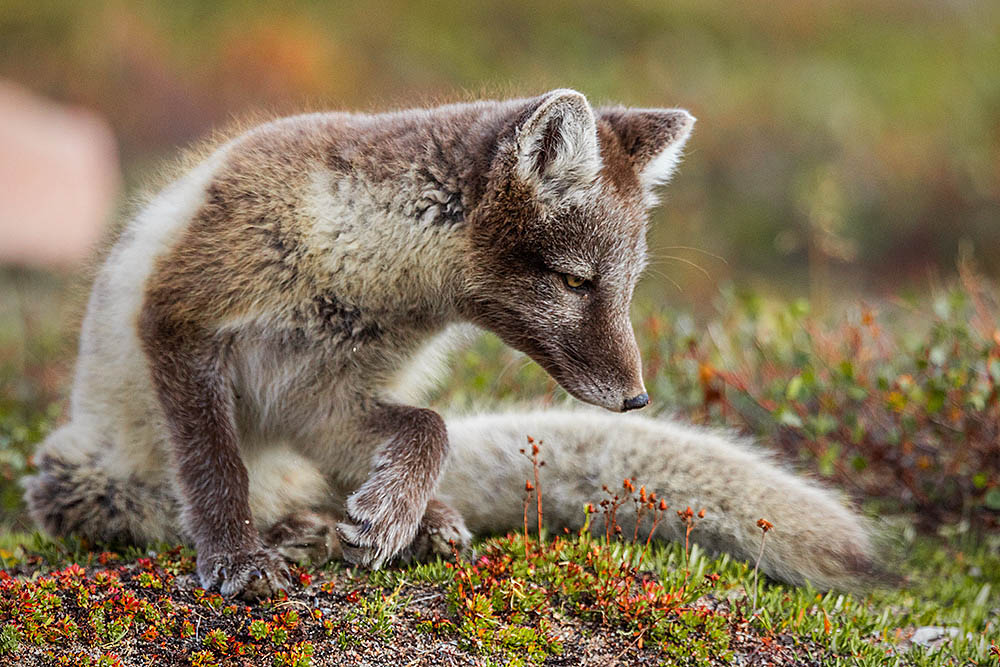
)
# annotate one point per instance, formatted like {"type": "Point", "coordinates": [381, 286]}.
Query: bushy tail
{"type": "Point", "coordinates": [74, 492]}
{"type": "Point", "coordinates": [815, 537]}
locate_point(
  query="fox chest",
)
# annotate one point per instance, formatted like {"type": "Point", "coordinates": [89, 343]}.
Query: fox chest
{"type": "Point", "coordinates": [331, 364]}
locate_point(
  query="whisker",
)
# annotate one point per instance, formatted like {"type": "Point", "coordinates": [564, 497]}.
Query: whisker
{"type": "Point", "coordinates": [693, 249]}
{"type": "Point", "coordinates": [663, 275]}
{"type": "Point", "coordinates": [683, 260]}
{"type": "Point", "coordinates": [518, 361]}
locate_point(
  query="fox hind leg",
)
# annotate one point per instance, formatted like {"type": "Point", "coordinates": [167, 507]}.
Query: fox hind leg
{"type": "Point", "coordinates": [305, 537]}
{"type": "Point", "coordinates": [75, 492]}
{"type": "Point", "coordinates": [442, 533]}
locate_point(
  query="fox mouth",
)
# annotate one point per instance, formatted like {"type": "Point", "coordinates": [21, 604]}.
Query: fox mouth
{"type": "Point", "coordinates": [593, 379]}
{"type": "Point", "coordinates": [568, 368]}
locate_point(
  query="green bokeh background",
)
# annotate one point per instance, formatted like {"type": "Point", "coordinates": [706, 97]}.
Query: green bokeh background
{"type": "Point", "coordinates": [850, 144]}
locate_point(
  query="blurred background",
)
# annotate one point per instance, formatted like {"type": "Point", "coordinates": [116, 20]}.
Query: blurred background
{"type": "Point", "coordinates": [845, 151]}
{"type": "Point", "coordinates": [856, 138]}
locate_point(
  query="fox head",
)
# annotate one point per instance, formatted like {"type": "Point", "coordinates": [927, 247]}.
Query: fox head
{"type": "Point", "coordinates": [558, 240]}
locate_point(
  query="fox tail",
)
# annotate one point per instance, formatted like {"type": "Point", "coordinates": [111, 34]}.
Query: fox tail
{"type": "Point", "coordinates": [815, 537]}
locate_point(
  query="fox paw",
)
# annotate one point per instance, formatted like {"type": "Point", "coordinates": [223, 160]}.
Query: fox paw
{"type": "Point", "coordinates": [442, 532]}
{"type": "Point", "coordinates": [309, 537]}
{"type": "Point", "coordinates": [252, 574]}
{"type": "Point", "coordinates": [372, 537]}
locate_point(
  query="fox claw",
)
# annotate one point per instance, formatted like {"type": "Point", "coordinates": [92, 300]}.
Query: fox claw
{"type": "Point", "coordinates": [251, 575]}
{"type": "Point", "coordinates": [372, 543]}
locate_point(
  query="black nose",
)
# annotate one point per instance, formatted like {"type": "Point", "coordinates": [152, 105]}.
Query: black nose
{"type": "Point", "coordinates": [636, 402]}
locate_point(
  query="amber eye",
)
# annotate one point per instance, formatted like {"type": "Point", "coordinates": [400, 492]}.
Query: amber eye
{"type": "Point", "coordinates": [574, 282]}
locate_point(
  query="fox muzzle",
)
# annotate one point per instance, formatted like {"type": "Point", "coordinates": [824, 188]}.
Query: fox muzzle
{"type": "Point", "coordinates": [636, 402]}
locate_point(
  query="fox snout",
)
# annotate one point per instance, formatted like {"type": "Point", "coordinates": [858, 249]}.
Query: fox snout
{"type": "Point", "coordinates": [598, 363]}
{"type": "Point", "coordinates": [636, 402]}
{"type": "Point", "coordinates": [594, 386]}
{"type": "Point", "coordinates": [558, 239]}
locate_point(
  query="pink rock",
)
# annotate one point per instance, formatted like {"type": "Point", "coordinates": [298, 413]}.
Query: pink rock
{"type": "Point", "coordinates": [59, 178]}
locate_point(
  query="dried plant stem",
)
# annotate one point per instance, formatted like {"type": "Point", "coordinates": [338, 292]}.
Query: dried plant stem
{"type": "Point", "coordinates": [538, 491]}
{"type": "Point", "coordinates": [764, 526]}
{"type": "Point", "coordinates": [756, 565]}
{"type": "Point", "coordinates": [657, 515]}
{"type": "Point", "coordinates": [527, 499]}
{"type": "Point", "coordinates": [687, 550]}
{"type": "Point", "coordinates": [536, 465]}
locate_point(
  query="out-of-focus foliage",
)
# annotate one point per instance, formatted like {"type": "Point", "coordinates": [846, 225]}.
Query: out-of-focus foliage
{"type": "Point", "coordinates": [852, 138]}
{"type": "Point", "coordinates": [896, 402]}
{"type": "Point", "coordinates": [36, 335]}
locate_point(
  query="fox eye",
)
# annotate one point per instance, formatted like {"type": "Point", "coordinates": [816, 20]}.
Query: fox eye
{"type": "Point", "coordinates": [575, 283]}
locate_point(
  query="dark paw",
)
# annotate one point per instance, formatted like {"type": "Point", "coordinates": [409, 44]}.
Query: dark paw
{"type": "Point", "coordinates": [308, 537]}
{"type": "Point", "coordinates": [442, 533]}
{"type": "Point", "coordinates": [252, 574]}
{"type": "Point", "coordinates": [371, 538]}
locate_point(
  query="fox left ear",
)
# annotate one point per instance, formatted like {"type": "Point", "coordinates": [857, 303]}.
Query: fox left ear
{"type": "Point", "coordinates": [557, 145]}
{"type": "Point", "coordinates": [653, 139]}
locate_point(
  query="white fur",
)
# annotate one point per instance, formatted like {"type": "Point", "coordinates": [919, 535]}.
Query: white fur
{"type": "Point", "coordinates": [113, 411]}
{"type": "Point", "coordinates": [282, 478]}
{"type": "Point", "coordinates": [427, 368]}
{"type": "Point", "coordinates": [661, 168]}
{"type": "Point", "coordinates": [576, 159]}
{"type": "Point", "coordinates": [341, 211]}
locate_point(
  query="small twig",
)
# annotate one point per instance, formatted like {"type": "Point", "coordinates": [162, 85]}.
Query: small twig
{"type": "Point", "coordinates": [687, 518]}
{"type": "Point", "coordinates": [421, 655]}
{"type": "Point", "coordinates": [536, 464]}
{"type": "Point", "coordinates": [292, 603]}
{"type": "Point", "coordinates": [640, 505]}
{"type": "Point", "coordinates": [657, 515]}
{"type": "Point", "coordinates": [764, 526]}
{"type": "Point", "coordinates": [426, 598]}
{"type": "Point", "coordinates": [528, 488]}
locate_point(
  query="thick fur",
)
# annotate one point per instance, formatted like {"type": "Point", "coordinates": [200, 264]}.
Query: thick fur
{"type": "Point", "coordinates": [256, 336]}
{"type": "Point", "coordinates": [815, 537]}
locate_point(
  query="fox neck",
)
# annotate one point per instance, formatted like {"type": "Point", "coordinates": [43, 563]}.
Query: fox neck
{"type": "Point", "coordinates": [406, 263]}
{"type": "Point", "coordinates": [413, 259]}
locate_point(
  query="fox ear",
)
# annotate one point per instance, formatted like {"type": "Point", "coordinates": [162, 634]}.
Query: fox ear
{"type": "Point", "coordinates": [557, 145]}
{"type": "Point", "coordinates": [653, 140]}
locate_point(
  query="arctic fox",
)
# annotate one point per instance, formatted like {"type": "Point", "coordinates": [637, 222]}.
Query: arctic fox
{"type": "Point", "coordinates": [256, 339]}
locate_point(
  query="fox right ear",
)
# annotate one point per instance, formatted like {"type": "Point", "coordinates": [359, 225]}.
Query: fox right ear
{"type": "Point", "coordinates": [556, 147]}
{"type": "Point", "coordinates": [653, 140]}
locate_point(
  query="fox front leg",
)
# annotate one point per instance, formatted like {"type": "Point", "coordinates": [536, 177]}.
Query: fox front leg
{"type": "Point", "coordinates": [385, 513]}
{"type": "Point", "coordinates": [188, 374]}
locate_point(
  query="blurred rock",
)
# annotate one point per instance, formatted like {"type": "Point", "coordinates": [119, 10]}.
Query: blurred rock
{"type": "Point", "coordinates": [932, 636]}
{"type": "Point", "coordinates": [59, 178]}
